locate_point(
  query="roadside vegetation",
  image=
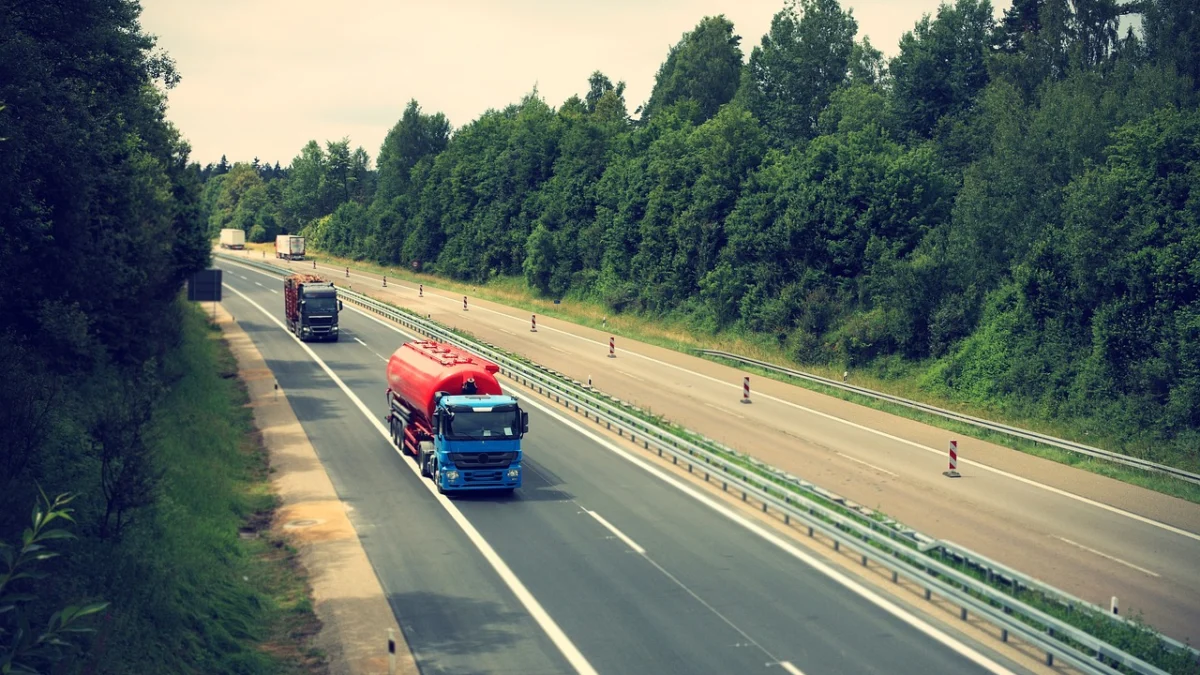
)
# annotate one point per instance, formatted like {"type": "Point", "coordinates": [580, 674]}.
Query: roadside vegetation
{"type": "Point", "coordinates": [127, 462]}
{"type": "Point", "coordinates": [1000, 218]}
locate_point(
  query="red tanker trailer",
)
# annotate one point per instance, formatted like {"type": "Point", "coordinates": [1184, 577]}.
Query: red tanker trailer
{"type": "Point", "coordinates": [446, 408]}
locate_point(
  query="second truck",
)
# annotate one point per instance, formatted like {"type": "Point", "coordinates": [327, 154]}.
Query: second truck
{"type": "Point", "coordinates": [311, 307]}
{"type": "Point", "coordinates": [446, 408]}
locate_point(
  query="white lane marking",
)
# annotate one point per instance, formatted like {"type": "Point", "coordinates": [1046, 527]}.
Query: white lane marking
{"type": "Point", "coordinates": [259, 285]}
{"type": "Point", "coordinates": [792, 670]}
{"type": "Point", "coordinates": [361, 342]}
{"type": "Point", "coordinates": [619, 534]}
{"type": "Point", "coordinates": [1115, 559]}
{"type": "Point", "coordinates": [855, 459]}
{"type": "Point", "coordinates": [275, 291]}
{"type": "Point", "coordinates": [630, 376]}
{"type": "Point", "coordinates": [380, 356]}
{"type": "Point", "coordinates": [965, 462]}
{"type": "Point", "coordinates": [723, 411]}
{"type": "Point", "coordinates": [871, 596]}
{"type": "Point", "coordinates": [568, 649]}
{"type": "Point", "coordinates": [862, 591]}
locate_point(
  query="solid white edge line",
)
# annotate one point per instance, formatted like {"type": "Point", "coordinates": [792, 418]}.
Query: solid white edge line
{"type": "Point", "coordinates": [362, 343]}
{"type": "Point", "coordinates": [619, 534]}
{"type": "Point", "coordinates": [1102, 554]}
{"type": "Point", "coordinates": [877, 468]}
{"type": "Point", "coordinates": [556, 635]}
{"type": "Point", "coordinates": [965, 462]}
{"type": "Point", "coordinates": [854, 586]}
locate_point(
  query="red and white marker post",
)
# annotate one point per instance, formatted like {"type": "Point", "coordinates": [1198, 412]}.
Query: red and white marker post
{"type": "Point", "coordinates": [953, 472]}
{"type": "Point", "coordinates": [385, 281]}
{"type": "Point", "coordinates": [746, 389]}
{"type": "Point", "coordinates": [464, 303]}
{"type": "Point", "coordinates": [612, 347]}
{"type": "Point", "coordinates": [533, 323]}
{"type": "Point", "coordinates": [420, 290]}
{"type": "Point", "coordinates": [347, 272]}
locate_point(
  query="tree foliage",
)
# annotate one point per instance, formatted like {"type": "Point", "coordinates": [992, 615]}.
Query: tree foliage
{"type": "Point", "coordinates": [939, 207]}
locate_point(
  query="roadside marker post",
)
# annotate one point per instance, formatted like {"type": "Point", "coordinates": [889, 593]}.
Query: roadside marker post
{"type": "Point", "coordinates": [746, 389]}
{"type": "Point", "coordinates": [464, 303]}
{"type": "Point", "coordinates": [533, 323]}
{"type": "Point", "coordinates": [385, 281]}
{"type": "Point", "coordinates": [420, 290]}
{"type": "Point", "coordinates": [953, 472]}
{"type": "Point", "coordinates": [612, 347]}
{"type": "Point", "coordinates": [391, 652]}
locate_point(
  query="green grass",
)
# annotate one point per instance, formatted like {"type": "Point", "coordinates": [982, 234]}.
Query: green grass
{"type": "Point", "coordinates": [888, 376]}
{"type": "Point", "coordinates": [1135, 638]}
{"type": "Point", "coordinates": [188, 594]}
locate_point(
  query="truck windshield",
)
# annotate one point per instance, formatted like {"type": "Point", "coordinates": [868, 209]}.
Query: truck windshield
{"type": "Point", "coordinates": [319, 306]}
{"type": "Point", "coordinates": [481, 425]}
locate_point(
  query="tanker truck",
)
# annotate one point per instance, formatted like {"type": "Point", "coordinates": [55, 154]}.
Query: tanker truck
{"type": "Point", "coordinates": [311, 307]}
{"type": "Point", "coordinates": [446, 409]}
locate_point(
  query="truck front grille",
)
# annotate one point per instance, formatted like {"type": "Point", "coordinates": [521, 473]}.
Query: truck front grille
{"type": "Point", "coordinates": [473, 460]}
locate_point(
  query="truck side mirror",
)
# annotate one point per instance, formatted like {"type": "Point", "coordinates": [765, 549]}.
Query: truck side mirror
{"type": "Point", "coordinates": [524, 422]}
{"type": "Point", "coordinates": [339, 305]}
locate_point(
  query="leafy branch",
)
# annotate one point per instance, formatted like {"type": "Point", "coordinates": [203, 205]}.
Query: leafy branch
{"type": "Point", "coordinates": [23, 649]}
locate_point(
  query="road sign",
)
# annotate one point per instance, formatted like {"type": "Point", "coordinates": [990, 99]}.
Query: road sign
{"type": "Point", "coordinates": [205, 286]}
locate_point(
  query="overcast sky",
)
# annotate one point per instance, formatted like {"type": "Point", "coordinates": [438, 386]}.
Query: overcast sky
{"type": "Point", "coordinates": [261, 78]}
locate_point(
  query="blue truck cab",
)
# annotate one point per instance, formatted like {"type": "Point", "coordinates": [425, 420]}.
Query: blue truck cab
{"type": "Point", "coordinates": [476, 442]}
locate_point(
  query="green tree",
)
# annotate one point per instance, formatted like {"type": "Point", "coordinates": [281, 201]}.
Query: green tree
{"type": "Point", "coordinates": [941, 65]}
{"type": "Point", "coordinates": [704, 66]}
{"type": "Point", "coordinates": [414, 137]}
{"type": "Point", "coordinates": [804, 57]}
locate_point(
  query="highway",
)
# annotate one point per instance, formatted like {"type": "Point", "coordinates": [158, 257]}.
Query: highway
{"type": "Point", "coordinates": [595, 565]}
{"type": "Point", "coordinates": [1085, 533]}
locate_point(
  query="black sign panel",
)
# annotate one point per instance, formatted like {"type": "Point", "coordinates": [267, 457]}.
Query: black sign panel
{"type": "Point", "coordinates": [205, 286]}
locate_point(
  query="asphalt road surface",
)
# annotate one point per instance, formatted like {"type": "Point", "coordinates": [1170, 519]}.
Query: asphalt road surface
{"type": "Point", "coordinates": [595, 565]}
{"type": "Point", "coordinates": [1089, 535]}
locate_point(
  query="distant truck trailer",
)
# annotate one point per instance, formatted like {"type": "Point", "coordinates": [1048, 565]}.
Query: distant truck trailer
{"type": "Point", "coordinates": [232, 237]}
{"type": "Point", "coordinates": [289, 247]}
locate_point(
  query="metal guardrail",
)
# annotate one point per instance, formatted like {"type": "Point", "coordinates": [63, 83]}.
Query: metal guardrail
{"type": "Point", "coordinates": [900, 551]}
{"type": "Point", "coordinates": [1062, 444]}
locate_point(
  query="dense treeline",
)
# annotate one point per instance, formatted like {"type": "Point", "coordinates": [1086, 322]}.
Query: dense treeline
{"type": "Point", "coordinates": [1009, 202]}
{"type": "Point", "coordinates": [101, 221]}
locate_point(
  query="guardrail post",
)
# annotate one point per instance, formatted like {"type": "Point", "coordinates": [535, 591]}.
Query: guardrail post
{"type": "Point", "coordinates": [953, 472]}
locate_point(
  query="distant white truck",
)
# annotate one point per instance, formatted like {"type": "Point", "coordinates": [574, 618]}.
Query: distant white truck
{"type": "Point", "coordinates": [289, 247]}
{"type": "Point", "coordinates": [233, 238]}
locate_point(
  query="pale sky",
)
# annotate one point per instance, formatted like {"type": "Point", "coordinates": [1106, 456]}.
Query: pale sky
{"type": "Point", "coordinates": [261, 78]}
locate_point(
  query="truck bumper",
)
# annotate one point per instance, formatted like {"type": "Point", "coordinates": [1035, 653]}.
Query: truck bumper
{"type": "Point", "coordinates": [451, 478]}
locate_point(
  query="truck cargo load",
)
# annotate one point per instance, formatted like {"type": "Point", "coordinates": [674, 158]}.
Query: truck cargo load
{"type": "Point", "coordinates": [446, 408]}
{"type": "Point", "coordinates": [289, 247]}
{"type": "Point", "coordinates": [233, 238]}
{"type": "Point", "coordinates": [311, 307]}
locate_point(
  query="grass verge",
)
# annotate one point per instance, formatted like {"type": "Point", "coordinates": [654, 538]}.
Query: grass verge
{"type": "Point", "coordinates": [200, 584]}
{"type": "Point", "coordinates": [1134, 637]}
{"type": "Point", "coordinates": [678, 336]}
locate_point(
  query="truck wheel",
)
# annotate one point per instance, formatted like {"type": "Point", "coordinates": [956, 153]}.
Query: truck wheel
{"type": "Point", "coordinates": [424, 457]}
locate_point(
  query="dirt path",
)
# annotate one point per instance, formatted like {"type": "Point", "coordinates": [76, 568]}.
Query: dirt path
{"type": "Point", "coordinates": [347, 597]}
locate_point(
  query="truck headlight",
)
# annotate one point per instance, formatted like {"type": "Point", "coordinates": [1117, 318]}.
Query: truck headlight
{"type": "Point", "coordinates": [513, 473]}
{"type": "Point", "coordinates": [335, 329]}
{"type": "Point", "coordinates": [451, 476]}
